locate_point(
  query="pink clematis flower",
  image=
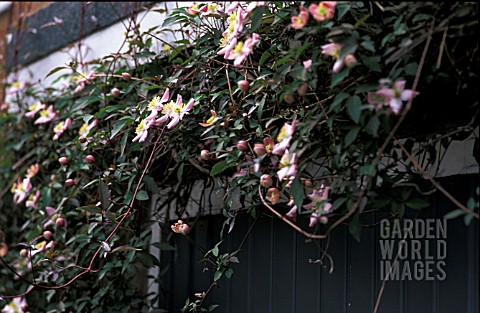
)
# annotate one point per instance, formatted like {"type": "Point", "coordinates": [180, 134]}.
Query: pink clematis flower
{"type": "Point", "coordinates": [301, 19]}
{"type": "Point", "coordinates": [142, 130]}
{"type": "Point", "coordinates": [288, 166]}
{"type": "Point", "coordinates": [34, 109]}
{"type": "Point", "coordinates": [61, 127]}
{"type": "Point", "coordinates": [194, 9]}
{"type": "Point", "coordinates": [16, 87]}
{"type": "Point", "coordinates": [32, 170]}
{"type": "Point", "coordinates": [308, 65]}
{"type": "Point", "coordinates": [319, 199]}
{"type": "Point", "coordinates": [211, 120]}
{"type": "Point", "coordinates": [179, 110]}
{"type": "Point", "coordinates": [284, 138]}
{"type": "Point", "coordinates": [32, 200]}
{"type": "Point", "coordinates": [20, 189]}
{"type": "Point", "coordinates": [394, 97]}
{"type": "Point", "coordinates": [85, 129]}
{"type": "Point", "coordinates": [84, 79]}
{"type": "Point", "coordinates": [232, 7]}
{"type": "Point", "coordinates": [242, 50]}
{"type": "Point", "coordinates": [269, 144]}
{"type": "Point", "coordinates": [17, 305]}
{"type": "Point", "coordinates": [323, 11]}
{"type": "Point", "coordinates": [46, 116]}
{"type": "Point", "coordinates": [156, 105]}
{"type": "Point", "coordinates": [273, 195]}
{"type": "Point", "coordinates": [292, 214]}
{"type": "Point", "coordinates": [235, 26]}
{"type": "Point", "coordinates": [333, 49]}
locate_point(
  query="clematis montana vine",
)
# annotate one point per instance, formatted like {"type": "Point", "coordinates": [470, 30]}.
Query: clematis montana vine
{"type": "Point", "coordinates": [392, 97]}
{"type": "Point", "coordinates": [156, 105]}
{"type": "Point", "coordinates": [46, 115]}
{"type": "Point", "coordinates": [288, 166]}
{"type": "Point", "coordinates": [34, 109]}
{"type": "Point", "coordinates": [319, 203]}
{"type": "Point", "coordinates": [86, 128]}
{"type": "Point", "coordinates": [84, 79]}
{"type": "Point", "coordinates": [284, 138]}
{"type": "Point", "coordinates": [61, 127]}
{"type": "Point", "coordinates": [142, 130]}
{"type": "Point", "coordinates": [179, 110]}
{"type": "Point", "coordinates": [17, 305]}
{"type": "Point", "coordinates": [20, 189]}
{"type": "Point", "coordinates": [32, 200]}
{"type": "Point", "coordinates": [211, 120]}
{"type": "Point", "coordinates": [301, 19]}
{"type": "Point", "coordinates": [323, 11]}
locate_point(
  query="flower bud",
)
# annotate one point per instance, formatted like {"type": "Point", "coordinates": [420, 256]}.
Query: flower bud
{"type": "Point", "coordinates": [289, 98]}
{"type": "Point", "coordinates": [60, 222]}
{"type": "Point", "coordinates": [350, 61]}
{"type": "Point", "coordinates": [115, 92]}
{"type": "Point", "coordinates": [23, 252]}
{"type": "Point", "coordinates": [82, 139]}
{"type": "Point", "coordinates": [64, 160]}
{"type": "Point", "coordinates": [69, 182]}
{"type": "Point", "coordinates": [180, 228]}
{"type": "Point", "coordinates": [243, 85]}
{"type": "Point", "coordinates": [126, 76]}
{"type": "Point", "coordinates": [259, 149]}
{"type": "Point", "coordinates": [323, 220]}
{"type": "Point", "coordinates": [205, 155]}
{"type": "Point", "coordinates": [3, 249]}
{"type": "Point", "coordinates": [47, 234]}
{"type": "Point", "coordinates": [266, 180]}
{"type": "Point", "coordinates": [303, 89]}
{"type": "Point", "coordinates": [307, 183]}
{"type": "Point", "coordinates": [89, 159]}
{"type": "Point", "coordinates": [242, 145]}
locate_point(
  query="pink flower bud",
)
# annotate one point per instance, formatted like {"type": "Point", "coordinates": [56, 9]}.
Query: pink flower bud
{"type": "Point", "coordinates": [23, 252]}
{"type": "Point", "coordinates": [243, 85]}
{"type": "Point", "coordinates": [205, 155]}
{"type": "Point", "coordinates": [350, 61]}
{"type": "Point", "coordinates": [180, 228]}
{"type": "Point", "coordinates": [89, 159]}
{"type": "Point", "coordinates": [242, 145]}
{"type": "Point", "coordinates": [289, 98]}
{"type": "Point", "coordinates": [126, 76]}
{"type": "Point", "coordinates": [69, 182]}
{"type": "Point", "coordinates": [307, 183]}
{"type": "Point", "coordinates": [116, 92]}
{"type": "Point", "coordinates": [60, 222]}
{"type": "Point", "coordinates": [47, 234]}
{"type": "Point", "coordinates": [64, 160]}
{"type": "Point", "coordinates": [266, 180]}
{"type": "Point", "coordinates": [82, 139]}
{"type": "Point", "coordinates": [259, 149]}
{"type": "Point", "coordinates": [3, 249]}
{"type": "Point", "coordinates": [323, 219]}
{"type": "Point", "coordinates": [303, 89]}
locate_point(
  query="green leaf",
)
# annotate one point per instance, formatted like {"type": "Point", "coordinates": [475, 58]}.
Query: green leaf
{"type": "Point", "coordinates": [372, 126]}
{"type": "Point", "coordinates": [418, 203]}
{"type": "Point", "coordinates": [90, 208]}
{"type": "Point", "coordinates": [453, 214]}
{"type": "Point", "coordinates": [217, 275]}
{"type": "Point", "coordinates": [165, 246]}
{"type": "Point", "coordinates": [59, 68]}
{"type": "Point", "coordinates": [257, 17]}
{"type": "Point", "coordinates": [215, 251]}
{"type": "Point", "coordinates": [124, 248]}
{"type": "Point", "coordinates": [338, 100]}
{"type": "Point", "coordinates": [468, 219]}
{"type": "Point", "coordinates": [354, 108]}
{"type": "Point", "coordinates": [351, 135]}
{"type": "Point", "coordinates": [229, 272]}
{"type": "Point", "coordinates": [151, 185]}
{"type": "Point", "coordinates": [339, 77]}
{"type": "Point", "coordinates": [119, 125]}
{"type": "Point", "coordinates": [218, 168]}
{"type": "Point", "coordinates": [355, 227]}
{"type": "Point", "coordinates": [142, 195]}
{"type": "Point", "coordinates": [104, 194]}
{"type": "Point", "coordinates": [297, 192]}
